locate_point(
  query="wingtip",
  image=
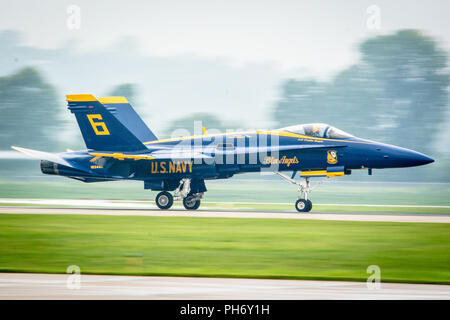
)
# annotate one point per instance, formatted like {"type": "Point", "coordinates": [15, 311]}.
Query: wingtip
{"type": "Point", "coordinates": [28, 152]}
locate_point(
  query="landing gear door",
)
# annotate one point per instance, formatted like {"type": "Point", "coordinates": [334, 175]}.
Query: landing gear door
{"type": "Point", "coordinates": [335, 171]}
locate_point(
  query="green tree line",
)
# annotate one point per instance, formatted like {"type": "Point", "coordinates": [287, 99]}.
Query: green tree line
{"type": "Point", "coordinates": [396, 93]}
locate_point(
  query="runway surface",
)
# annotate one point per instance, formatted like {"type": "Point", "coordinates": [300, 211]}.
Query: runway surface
{"type": "Point", "coordinates": [231, 214]}
{"type": "Point", "coordinates": [55, 286]}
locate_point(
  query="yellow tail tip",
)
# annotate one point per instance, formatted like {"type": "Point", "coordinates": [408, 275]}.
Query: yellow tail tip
{"type": "Point", "coordinates": [106, 100]}
{"type": "Point", "coordinates": [80, 97]}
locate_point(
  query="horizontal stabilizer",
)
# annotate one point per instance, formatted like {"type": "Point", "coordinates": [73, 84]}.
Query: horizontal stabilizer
{"type": "Point", "coordinates": [119, 156]}
{"type": "Point", "coordinates": [52, 157]}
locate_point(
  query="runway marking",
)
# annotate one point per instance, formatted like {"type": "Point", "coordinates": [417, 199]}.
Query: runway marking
{"type": "Point", "coordinates": [232, 214]}
{"type": "Point", "coordinates": [342, 204]}
{"type": "Point", "coordinates": [53, 286]}
{"type": "Point", "coordinates": [149, 203]}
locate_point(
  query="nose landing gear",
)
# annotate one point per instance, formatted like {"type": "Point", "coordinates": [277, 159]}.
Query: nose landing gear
{"type": "Point", "coordinates": [303, 204]}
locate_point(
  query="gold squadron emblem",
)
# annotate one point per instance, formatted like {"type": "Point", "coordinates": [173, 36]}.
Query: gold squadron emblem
{"type": "Point", "coordinates": [332, 157]}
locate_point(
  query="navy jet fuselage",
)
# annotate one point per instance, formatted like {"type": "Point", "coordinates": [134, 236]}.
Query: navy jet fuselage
{"type": "Point", "coordinates": [121, 147]}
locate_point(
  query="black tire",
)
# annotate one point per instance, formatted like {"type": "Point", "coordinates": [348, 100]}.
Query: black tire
{"type": "Point", "coordinates": [164, 200]}
{"type": "Point", "coordinates": [309, 203]}
{"type": "Point", "coordinates": [303, 205]}
{"type": "Point", "coordinates": [190, 203]}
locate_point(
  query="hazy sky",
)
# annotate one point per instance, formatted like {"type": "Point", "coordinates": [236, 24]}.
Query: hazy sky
{"type": "Point", "coordinates": [225, 57]}
{"type": "Point", "coordinates": [318, 35]}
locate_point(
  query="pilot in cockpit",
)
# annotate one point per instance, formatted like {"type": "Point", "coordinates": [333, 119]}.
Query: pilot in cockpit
{"type": "Point", "coordinates": [312, 131]}
{"type": "Point", "coordinates": [316, 132]}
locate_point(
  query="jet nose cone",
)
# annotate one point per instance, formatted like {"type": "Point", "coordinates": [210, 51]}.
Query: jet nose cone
{"type": "Point", "coordinates": [409, 158]}
{"type": "Point", "coordinates": [423, 159]}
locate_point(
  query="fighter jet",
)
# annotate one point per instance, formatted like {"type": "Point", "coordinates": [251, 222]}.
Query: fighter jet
{"type": "Point", "coordinates": [120, 146]}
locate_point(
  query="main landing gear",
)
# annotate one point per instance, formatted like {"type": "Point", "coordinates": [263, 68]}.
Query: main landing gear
{"type": "Point", "coordinates": [164, 200]}
{"type": "Point", "coordinates": [191, 203]}
{"type": "Point", "coordinates": [303, 204]}
{"type": "Point", "coordinates": [191, 200]}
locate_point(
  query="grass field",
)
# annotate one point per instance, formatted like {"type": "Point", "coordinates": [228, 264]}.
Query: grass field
{"type": "Point", "coordinates": [289, 207]}
{"type": "Point", "coordinates": [263, 248]}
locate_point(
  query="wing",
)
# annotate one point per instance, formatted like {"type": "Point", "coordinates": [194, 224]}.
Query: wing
{"type": "Point", "coordinates": [174, 154]}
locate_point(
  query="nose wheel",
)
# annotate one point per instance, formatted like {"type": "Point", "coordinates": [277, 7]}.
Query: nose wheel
{"type": "Point", "coordinates": [303, 205]}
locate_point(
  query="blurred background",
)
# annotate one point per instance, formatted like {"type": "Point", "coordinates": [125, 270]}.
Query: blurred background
{"type": "Point", "coordinates": [376, 69]}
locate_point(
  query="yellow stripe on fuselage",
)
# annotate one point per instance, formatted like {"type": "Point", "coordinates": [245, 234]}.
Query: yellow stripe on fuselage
{"type": "Point", "coordinates": [278, 133]}
{"type": "Point", "coordinates": [119, 156]}
{"type": "Point", "coordinates": [321, 173]}
{"type": "Point", "coordinates": [335, 174]}
{"type": "Point", "coordinates": [313, 173]}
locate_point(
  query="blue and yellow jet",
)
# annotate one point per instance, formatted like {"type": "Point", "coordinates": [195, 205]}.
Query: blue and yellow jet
{"type": "Point", "coordinates": [121, 147]}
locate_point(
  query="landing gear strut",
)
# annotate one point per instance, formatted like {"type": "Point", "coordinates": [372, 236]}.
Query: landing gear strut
{"type": "Point", "coordinates": [303, 204]}
{"type": "Point", "coordinates": [191, 201]}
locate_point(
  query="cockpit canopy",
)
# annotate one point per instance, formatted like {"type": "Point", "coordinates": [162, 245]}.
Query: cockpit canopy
{"type": "Point", "coordinates": [318, 130]}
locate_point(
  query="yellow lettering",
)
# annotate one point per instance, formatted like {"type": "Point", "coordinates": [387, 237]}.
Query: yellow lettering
{"type": "Point", "coordinates": [154, 167]}
{"type": "Point", "coordinates": [283, 160]}
{"type": "Point", "coordinates": [97, 125]}
{"type": "Point", "coordinates": [171, 167]}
